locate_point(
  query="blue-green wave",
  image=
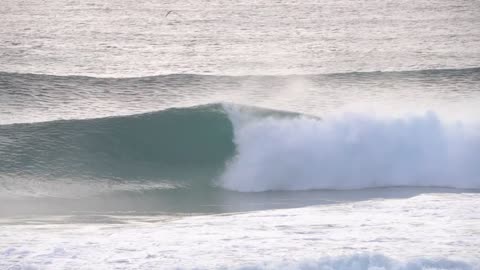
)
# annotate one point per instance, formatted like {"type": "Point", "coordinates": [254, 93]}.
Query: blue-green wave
{"type": "Point", "coordinates": [159, 145]}
{"type": "Point", "coordinates": [237, 148]}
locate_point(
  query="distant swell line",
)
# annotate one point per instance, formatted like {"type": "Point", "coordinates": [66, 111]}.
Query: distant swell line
{"type": "Point", "coordinates": [431, 72]}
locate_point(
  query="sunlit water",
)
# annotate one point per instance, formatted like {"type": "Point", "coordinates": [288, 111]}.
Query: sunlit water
{"type": "Point", "coordinates": [309, 135]}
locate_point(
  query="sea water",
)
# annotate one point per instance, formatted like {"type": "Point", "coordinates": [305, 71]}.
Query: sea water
{"type": "Point", "coordinates": [239, 135]}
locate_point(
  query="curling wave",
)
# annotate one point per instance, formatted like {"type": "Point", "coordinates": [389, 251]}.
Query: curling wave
{"type": "Point", "coordinates": [246, 149]}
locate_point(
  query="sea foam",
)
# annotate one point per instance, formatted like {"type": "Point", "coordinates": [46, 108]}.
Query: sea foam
{"type": "Point", "coordinates": [351, 151]}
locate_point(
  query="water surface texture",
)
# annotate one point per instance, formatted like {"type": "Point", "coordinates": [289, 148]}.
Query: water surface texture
{"type": "Point", "coordinates": [240, 135]}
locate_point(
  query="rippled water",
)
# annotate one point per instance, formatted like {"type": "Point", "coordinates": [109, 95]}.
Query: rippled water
{"type": "Point", "coordinates": [136, 38]}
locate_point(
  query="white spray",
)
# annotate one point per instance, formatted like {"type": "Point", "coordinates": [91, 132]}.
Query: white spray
{"type": "Point", "coordinates": [351, 151]}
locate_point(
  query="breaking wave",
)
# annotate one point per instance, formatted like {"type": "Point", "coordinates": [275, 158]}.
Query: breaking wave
{"type": "Point", "coordinates": [353, 151]}
{"type": "Point", "coordinates": [244, 149]}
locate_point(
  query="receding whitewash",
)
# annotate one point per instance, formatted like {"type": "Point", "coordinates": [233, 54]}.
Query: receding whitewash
{"type": "Point", "coordinates": [373, 234]}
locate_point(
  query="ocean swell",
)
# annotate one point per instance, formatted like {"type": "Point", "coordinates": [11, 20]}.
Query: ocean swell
{"type": "Point", "coordinates": [240, 148]}
{"type": "Point", "coordinates": [170, 144]}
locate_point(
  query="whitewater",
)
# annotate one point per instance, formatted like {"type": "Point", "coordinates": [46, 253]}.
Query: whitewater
{"type": "Point", "coordinates": [341, 135]}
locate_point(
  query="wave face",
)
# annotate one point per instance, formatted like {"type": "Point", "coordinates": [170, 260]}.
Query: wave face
{"type": "Point", "coordinates": [246, 149]}
{"type": "Point", "coordinates": [159, 145]}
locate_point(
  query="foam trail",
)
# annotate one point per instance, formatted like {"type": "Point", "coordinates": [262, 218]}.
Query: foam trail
{"type": "Point", "coordinates": [363, 262]}
{"type": "Point", "coordinates": [352, 151]}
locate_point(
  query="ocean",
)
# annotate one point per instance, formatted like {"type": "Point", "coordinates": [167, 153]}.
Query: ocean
{"type": "Point", "coordinates": [254, 134]}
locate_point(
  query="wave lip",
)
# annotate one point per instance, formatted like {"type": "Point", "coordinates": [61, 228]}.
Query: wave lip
{"type": "Point", "coordinates": [352, 151]}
